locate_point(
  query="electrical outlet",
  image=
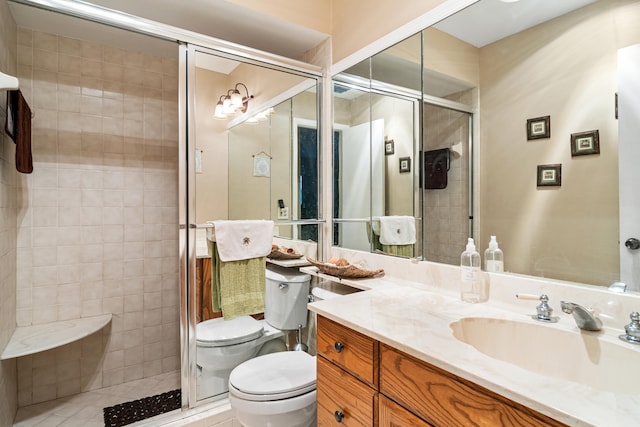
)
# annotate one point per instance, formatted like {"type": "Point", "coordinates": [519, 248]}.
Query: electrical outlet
{"type": "Point", "coordinates": [283, 213]}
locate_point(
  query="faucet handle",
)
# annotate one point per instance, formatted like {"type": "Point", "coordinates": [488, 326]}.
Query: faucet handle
{"type": "Point", "coordinates": [543, 310]}
{"type": "Point", "coordinates": [632, 330]}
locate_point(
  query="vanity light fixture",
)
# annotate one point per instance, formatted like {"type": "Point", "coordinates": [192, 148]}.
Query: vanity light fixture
{"type": "Point", "coordinates": [232, 102]}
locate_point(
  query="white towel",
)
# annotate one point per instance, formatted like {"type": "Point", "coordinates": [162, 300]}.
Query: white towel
{"type": "Point", "coordinates": [397, 230]}
{"type": "Point", "coordinates": [238, 240]}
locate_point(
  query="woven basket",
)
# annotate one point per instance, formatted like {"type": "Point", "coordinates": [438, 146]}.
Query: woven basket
{"type": "Point", "coordinates": [283, 255]}
{"type": "Point", "coordinates": [345, 271]}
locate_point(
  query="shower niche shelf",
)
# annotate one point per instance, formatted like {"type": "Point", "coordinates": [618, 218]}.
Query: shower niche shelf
{"type": "Point", "coordinates": [36, 338]}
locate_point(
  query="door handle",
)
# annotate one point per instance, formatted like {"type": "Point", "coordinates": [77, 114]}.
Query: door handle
{"type": "Point", "coordinates": [632, 243]}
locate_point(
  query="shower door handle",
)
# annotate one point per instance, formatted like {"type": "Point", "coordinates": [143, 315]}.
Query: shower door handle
{"type": "Point", "coordinates": [632, 243]}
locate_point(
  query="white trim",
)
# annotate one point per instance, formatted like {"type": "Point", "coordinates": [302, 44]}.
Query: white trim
{"type": "Point", "coordinates": [8, 82]}
{"type": "Point", "coordinates": [426, 20]}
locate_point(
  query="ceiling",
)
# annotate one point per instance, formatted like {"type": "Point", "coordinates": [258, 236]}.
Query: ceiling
{"type": "Point", "coordinates": [215, 18]}
{"type": "Point", "coordinates": [488, 21]}
{"type": "Point", "coordinates": [479, 24]}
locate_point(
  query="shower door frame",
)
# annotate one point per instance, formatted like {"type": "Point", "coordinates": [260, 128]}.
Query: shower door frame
{"type": "Point", "coordinates": [187, 197]}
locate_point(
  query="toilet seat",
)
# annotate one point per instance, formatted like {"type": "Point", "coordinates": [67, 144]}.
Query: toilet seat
{"type": "Point", "coordinates": [274, 376]}
{"type": "Point", "coordinates": [221, 333]}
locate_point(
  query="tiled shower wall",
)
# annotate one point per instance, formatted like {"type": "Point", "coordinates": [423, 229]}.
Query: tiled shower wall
{"type": "Point", "coordinates": [446, 213]}
{"type": "Point", "coordinates": [8, 223]}
{"type": "Point", "coordinates": [97, 220]}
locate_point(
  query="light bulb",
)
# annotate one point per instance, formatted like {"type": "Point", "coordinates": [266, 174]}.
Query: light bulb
{"type": "Point", "coordinates": [219, 111]}
{"type": "Point", "coordinates": [236, 99]}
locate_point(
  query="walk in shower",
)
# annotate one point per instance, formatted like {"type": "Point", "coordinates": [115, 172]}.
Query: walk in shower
{"type": "Point", "coordinates": [107, 223]}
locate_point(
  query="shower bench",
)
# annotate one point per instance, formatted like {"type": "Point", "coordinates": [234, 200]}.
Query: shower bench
{"type": "Point", "coordinates": [36, 338]}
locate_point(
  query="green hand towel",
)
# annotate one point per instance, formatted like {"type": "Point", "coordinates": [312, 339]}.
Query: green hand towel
{"type": "Point", "coordinates": [237, 287]}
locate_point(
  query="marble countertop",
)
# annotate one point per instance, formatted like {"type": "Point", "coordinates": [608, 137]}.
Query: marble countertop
{"type": "Point", "coordinates": [416, 319]}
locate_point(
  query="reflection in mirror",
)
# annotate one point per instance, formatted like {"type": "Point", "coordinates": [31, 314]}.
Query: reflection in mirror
{"type": "Point", "coordinates": [562, 63]}
{"type": "Point", "coordinates": [375, 162]}
{"type": "Point", "coordinates": [258, 164]}
{"type": "Point", "coordinates": [274, 167]}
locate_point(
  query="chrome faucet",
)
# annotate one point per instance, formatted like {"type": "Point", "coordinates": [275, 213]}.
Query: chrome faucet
{"type": "Point", "coordinates": [585, 319]}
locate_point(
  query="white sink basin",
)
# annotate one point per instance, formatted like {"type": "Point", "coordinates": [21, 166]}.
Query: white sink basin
{"type": "Point", "coordinates": [584, 358]}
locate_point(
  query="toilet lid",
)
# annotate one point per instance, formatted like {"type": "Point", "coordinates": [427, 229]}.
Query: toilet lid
{"type": "Point", "coordinates": [274, 376]}
{"type": "Point", "coordinates": [219, 332]}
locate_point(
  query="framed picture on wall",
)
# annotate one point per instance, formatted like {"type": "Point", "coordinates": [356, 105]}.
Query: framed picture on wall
{"type": "Point", "coordinates": [549, 175]}
{"type": "Point", "coordinates": [405, 164]}
{"type": "Point", "coordinates": [539, 128]}
{"type": "Point", "coordinates": [389, 147]}
{"type": "Point", "coordinates": [584, 143]}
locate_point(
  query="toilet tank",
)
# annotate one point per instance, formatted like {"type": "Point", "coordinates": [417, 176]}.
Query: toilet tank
{"type": "Point", "coordinates": [286, 297]}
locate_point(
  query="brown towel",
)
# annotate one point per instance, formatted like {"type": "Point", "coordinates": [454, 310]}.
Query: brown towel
{"type": "Point", "coordinates": [18, 127]}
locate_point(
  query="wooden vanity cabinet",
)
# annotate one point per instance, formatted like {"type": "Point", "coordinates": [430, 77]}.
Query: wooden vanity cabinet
{"type": "Point", "coordinates": [347, 376]}
{"type": "Point", "coordinates": [443, 399]}
{"type": "Point", "coordinates": [362, 382]}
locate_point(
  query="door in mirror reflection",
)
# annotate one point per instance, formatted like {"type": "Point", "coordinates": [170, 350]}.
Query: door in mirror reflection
{"type": "Point", "coordinates": [374, 163]}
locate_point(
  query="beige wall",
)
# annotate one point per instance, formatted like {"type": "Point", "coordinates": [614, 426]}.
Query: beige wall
{"type": "Point", "coordinates": [211, 137]}
{"type": "Point", "coordinates": [98, 221]}
{"type": "Point", "coordinates": [358, 23]}
{"type": "Point", "coordinates": [450, 56]}
{"type": "Point", "coordinates": [8, 222]}
{"type": "Point", "coordinates": [571, 76]}
{"type": "Point", "coordinates": [314, 14]}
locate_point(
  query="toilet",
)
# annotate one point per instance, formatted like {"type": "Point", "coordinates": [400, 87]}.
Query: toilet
{"type": "Point", "coordinates": [278, 389]}
{"type": "Point", "coordinates": [221, 345]}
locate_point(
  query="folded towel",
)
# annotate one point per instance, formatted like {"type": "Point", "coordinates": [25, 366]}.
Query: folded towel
{"type": "Point", "coordinates": [18, 127]}
{"type": "Point", "coordinates": [397, 230]}
{"type": "Point", "coordinates": [237, 287]}
{"type": "Point", "coordinates": [238, 240]}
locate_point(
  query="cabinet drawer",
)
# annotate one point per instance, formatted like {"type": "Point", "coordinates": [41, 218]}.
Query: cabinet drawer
{"type": "Point", "coordinates": [394, 415]}
{"type": "Point", "coordinates": [442, 399]}
{"type": "Point", "coordinates": [351, 350]}
{"type": "Point", "coordinates": [338, 392]}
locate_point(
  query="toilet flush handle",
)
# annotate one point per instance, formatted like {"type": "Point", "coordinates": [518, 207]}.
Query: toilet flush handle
{"type": "Point", "coordinates": [283, 286]}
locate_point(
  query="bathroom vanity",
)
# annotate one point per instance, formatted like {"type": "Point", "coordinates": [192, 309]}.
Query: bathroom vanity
{"type": "Point", "coordinates": [397, 355]}
{"type": "Point", "coordinates": [361, 380]}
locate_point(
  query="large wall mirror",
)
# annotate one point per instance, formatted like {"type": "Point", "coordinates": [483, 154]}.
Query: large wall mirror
{"type": "Point", "coordinates": [525, 104]}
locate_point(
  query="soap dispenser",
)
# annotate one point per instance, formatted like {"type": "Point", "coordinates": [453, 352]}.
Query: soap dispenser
{"type": "Point", "coordinates": [493, 257]}
{"type": "Point", "coordinates": [472, 286]}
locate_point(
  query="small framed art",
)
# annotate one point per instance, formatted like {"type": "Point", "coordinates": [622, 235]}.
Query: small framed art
{"type": "Point", "coordinates": [389, 147]}
{"type": "Point", "coordinates": [549, 175]}
{"type": "Point", "coordinates": [405, 164]}
{"type": "Point", "coordinates": [584, 143]}
{"type": "Point", "coordinates": [539, 128]}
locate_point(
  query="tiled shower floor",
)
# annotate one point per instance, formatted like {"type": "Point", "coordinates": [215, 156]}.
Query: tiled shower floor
{"type": "Point", "coordinates": [85, 409]}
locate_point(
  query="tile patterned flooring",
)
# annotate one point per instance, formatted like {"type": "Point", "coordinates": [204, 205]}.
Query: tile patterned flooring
{"type": "Point", "coordinates": [85, 409]}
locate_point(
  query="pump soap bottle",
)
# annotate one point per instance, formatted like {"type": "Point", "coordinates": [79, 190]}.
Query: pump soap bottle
{"type": "Point", "coordinates": [493, 257]}
{"type": "Point", "coordinates": [472, 286]}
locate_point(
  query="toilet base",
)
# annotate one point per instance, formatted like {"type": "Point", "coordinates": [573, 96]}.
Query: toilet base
{"type": "Point", "coordinates": [209, 384]}
{"type": "Point", "coordinates": [299, 411]}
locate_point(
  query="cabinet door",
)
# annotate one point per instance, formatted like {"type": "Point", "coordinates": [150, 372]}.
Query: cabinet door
{"type": "Point", "coordinates": [342, 399]}
{"type": "Point", "coordinates": [445, 400]}
{"type": "Point", "coordinates": [394, 415]}
{"type": "Point", "coordinates": [351, 350]}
